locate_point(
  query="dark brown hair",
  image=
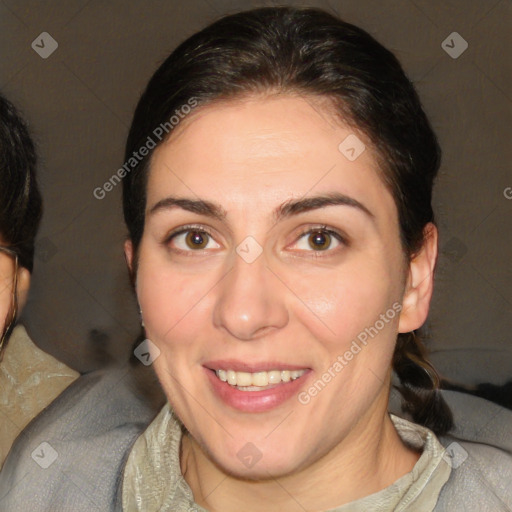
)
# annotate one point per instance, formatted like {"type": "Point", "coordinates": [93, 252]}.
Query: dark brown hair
{"type": "Point", "coordinates": [20, 200]}
{"type": "Point", "coordinates": [310, 52]}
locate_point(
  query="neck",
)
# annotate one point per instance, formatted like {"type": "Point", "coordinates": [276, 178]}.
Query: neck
{"type": "Point", "coordinates": [369, 459]}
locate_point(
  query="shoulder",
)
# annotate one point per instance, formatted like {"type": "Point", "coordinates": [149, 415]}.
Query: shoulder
{"type": "Point", "coordinates": [479, 449]}
{"type": "Point", "coordinates": [30, 379]}
{"type": "Point", "coordinates": [71, 456]}
{"type": "Point", "coordinates": [479, 480]}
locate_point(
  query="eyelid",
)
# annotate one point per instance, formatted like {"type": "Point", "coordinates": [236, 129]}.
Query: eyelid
{"type": "Point", "coordinates": [188, 227]}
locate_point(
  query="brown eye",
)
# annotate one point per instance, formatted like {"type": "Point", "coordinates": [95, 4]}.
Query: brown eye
{"type": "Point", "coordinates": [196, 239]}
{"type": "Point", "coordinates": [319, 240]}
{"type": "Point", "coordinates": [191, 239]}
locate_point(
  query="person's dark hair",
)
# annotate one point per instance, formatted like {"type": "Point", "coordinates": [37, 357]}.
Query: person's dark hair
{"type": "Point", "coordinates": [20, 199]}
{"type": "Point", "coordinates": [312, 53]}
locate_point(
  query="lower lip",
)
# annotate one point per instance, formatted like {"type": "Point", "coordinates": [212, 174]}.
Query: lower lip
{"type": "Point", "coordinates": [255, 401]}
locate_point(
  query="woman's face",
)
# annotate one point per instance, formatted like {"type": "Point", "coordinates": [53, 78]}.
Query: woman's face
{"type": "Point", "coordinates": [271, 257]}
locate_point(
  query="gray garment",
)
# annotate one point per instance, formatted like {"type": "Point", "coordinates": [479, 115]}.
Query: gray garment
{"type": "Point", "coordinates": [483, 481]}
{"type": "Point", "coordinates": [95, 422]}
{"type": "Point", "coordinates": [90, 427]}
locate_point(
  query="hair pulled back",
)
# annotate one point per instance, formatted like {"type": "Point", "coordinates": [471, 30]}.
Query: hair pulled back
{"type": "Point", "coordinates": [310, 52]}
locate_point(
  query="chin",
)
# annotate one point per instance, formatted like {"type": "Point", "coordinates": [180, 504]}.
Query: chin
{"type": "Point", "coordinates": [261, 470]}
{"type": "Point", "coordinates": [255, 462]}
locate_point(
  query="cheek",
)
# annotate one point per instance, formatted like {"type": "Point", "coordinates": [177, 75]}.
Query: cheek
{"type": "Point", "coordinates": [5, 295]}
{"type": "Point", "coordinates": [171, 302]}
{"type": "Point", "coordinates": [4, 310]}
{"type": "Point", "coordinates": [341, 304]}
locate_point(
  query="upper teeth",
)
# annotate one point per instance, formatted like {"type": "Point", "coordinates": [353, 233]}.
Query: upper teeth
{"type": "Point", "coordinates": [260, 379]}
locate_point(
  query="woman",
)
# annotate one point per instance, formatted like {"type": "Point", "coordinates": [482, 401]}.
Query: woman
{"type": "Point", "coordinates": [277, 193]}
{"type": "Point", "coordinates": [282, 245]}
{"type": "Point", "coordinates": [29, 378]}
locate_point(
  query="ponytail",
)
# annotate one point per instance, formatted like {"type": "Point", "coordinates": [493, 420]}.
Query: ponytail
{"type": "Point", "coordinates": [420, 385]}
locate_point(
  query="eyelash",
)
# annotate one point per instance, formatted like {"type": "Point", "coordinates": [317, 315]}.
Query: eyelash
{"type": "Point", "coordinates": [310, 230]}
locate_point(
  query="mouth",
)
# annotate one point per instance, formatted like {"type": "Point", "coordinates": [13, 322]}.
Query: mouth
{"type": "Point", "coordinates": [258, 381]}
{"type": "Point", "coordinates": [255, 388]}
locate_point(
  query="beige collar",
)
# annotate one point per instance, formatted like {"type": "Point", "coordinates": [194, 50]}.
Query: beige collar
{"type": "Point", "coordinates": [30, 379]}
{"type": "Point", "coordinates": [153, 480]}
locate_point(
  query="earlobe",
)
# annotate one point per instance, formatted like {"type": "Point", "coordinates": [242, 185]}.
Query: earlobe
{"type": "Point", "coordinates": [420, 283]}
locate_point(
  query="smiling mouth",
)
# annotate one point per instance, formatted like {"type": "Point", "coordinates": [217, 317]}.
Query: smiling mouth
{"type": "Point", "coordinates": [258, 381]}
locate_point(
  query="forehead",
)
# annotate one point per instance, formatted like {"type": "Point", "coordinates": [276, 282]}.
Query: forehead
{"type": "Point", "coordinates": [257, 128]}
{"type": "Point", "coordinates": [264, 150]}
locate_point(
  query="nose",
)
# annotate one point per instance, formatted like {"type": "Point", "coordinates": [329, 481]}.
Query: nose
{"type": "Point", "coordinates": [250, 302]}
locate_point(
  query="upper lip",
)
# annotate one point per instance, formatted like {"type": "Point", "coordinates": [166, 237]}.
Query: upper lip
{"type": "Point", "coordinates": [243, 366]}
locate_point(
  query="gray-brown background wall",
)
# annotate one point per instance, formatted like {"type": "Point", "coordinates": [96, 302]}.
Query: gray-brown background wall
{"type": "Point", "coordinates": [79, 102]}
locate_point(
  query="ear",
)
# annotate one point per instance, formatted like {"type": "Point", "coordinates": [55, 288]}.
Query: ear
{"type": "Point", "coordinates": [22, 287]}
{"type": "Point", "coordinates": [128, 254]}
{"type": "Point", "coordinates": [420, 283]}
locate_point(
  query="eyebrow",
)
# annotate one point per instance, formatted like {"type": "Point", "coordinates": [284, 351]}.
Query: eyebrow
{"type": "Point", "coordinates": [199, 206]}
{"type": "Point", "coordinates": [285, 210]}
{"type": "Point", "coordinates": [294, 207]}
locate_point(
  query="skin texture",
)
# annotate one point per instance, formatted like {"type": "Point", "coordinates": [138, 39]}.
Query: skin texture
{"type": "Point", "coordinates": [293, 304]}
